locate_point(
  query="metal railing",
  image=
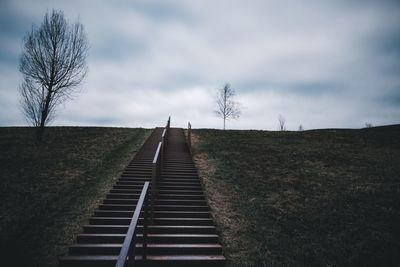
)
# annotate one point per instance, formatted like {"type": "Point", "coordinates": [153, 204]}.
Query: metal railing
{"type": "Point", "coordinates": [189, 137]}
{"type": "Point", "coordinates": [128, 247]}
{"type": "Point", "coordinates": [155, 173]}
{"type": "Point", "coordinates": [157, 164]}
{"type": "Point", "coordinates": [127, 253]}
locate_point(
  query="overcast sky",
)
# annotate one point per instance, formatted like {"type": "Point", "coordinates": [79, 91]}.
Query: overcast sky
{"type": "Point", "coordinates": [318, 63]}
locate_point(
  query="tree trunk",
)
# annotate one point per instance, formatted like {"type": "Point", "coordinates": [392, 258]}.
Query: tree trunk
{"type": "Point", "coordinates": [45, 113]}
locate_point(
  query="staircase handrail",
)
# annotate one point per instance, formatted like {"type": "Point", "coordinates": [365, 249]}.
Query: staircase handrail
{"type": "Point", "coordinates": [129, 245]}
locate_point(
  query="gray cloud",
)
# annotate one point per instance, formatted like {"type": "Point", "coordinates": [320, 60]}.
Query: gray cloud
{"type": "Point", "coordinates": [319, 63]}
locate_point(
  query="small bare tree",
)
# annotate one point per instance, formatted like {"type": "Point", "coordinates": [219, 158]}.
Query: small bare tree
{"type": "Point", "coordinates": [368, 125]}
{"type": "Point", "coordinates": [282, 123]}
{"type": "Point", "coordinates": [227, 108]}
{"type": "Point", "coordinates": [53, 64]}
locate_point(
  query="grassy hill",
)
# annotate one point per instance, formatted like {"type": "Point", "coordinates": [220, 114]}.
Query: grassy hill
{"type": "Point", "coordinates": [49, 190]}
{"type": "Point", "coordinates": [312, 198]}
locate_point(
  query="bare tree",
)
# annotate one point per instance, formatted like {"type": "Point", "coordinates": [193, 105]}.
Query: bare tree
{"type": "Point", "coordinates": [368, 125]}
{"type": "Point", "coordinates": [53, 64]}
{"type": "Point", "coordinates": [282, 123]}
{"type": "Point", "coordinates": [301, 128]}
{"type": "Point", "coordinates": [227, 108]}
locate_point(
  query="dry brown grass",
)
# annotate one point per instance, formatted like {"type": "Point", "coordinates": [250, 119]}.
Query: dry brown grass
{"type": "Point", "coordinates": [230, 222]}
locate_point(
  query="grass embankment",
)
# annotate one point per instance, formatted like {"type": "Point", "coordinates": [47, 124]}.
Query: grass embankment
{"type": "Point", "coordinates": [313, 198]}
{"type": "Point", "coordinates": [49, 190]}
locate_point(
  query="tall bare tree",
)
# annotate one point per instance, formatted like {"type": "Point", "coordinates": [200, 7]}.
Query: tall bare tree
{"type": "Point", "coordinates": [282, 123]}
{"type": "Point", "coordinates": [53, 64]}
{"type": "Point", "coordinates": [227, 108]}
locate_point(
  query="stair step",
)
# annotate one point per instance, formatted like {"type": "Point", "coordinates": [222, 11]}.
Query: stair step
{"type": "Point", "coordinates": [181, 208]}
{"type": "Point", "coordinates": [152, 249]}
{"type": "Point", "coordinates": [120, 201]}
{"type": "Point", "coordinates": [131, 182]}
{"type": "Point", "coordinates": [156, 221]}
{"type": "Point", "coordinates": [88, 261]}
{"type": "Point", "coordinates": [159, 214]}
{"type": "Point", "coordinates": [171, 182]}
{"type": "Point", "coordinates": [160, 191]}
{"type": "Point", "coordinates": [178, 176]}
{"type": "Point", "coordinates": [182, 181]}
{"type": "Point", "coordinates": [151, 238]}
{"type": "Point", "coordinates": [152, 229]}
{"type": "Point", "coordinates": [122, 196]}
{"type": "Point", "coordinates": [147, 168]}
{"type": "Point", "coordinates": [168, 163]}
{"type": "Point", "coordinates": [161, 186]}
{"type": "Point", "coordinates": [159, 260]}
{"type": "Point", "coordinates": [177, 197]}
{"type": "Point", "coordinates": [186, 202]}
{"type": "Point", "coordinates": [180, 187]}
{"type": "Point", "coordinates": [188, 260]}
{"type": "Point", "coordinates": [135, 178]}
{"type": "Point", "coordinates": [160, 196]}
{"type": "Point", "coordinates": [179, 171]}
{"type": "Point", "coordinates": [95, 249]}
{"type": "Point", "coordinates": [138, 186]}
{"type": "Point", "coordinates": [136, 173]}
{"type": "Point", "coordinates": [156, 208]}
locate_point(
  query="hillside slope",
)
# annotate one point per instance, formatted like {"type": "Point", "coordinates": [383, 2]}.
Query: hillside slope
{"type": "Point", "coordinates": [48, 191]}
{"type": "Point", "coordinates": [312, 198]}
